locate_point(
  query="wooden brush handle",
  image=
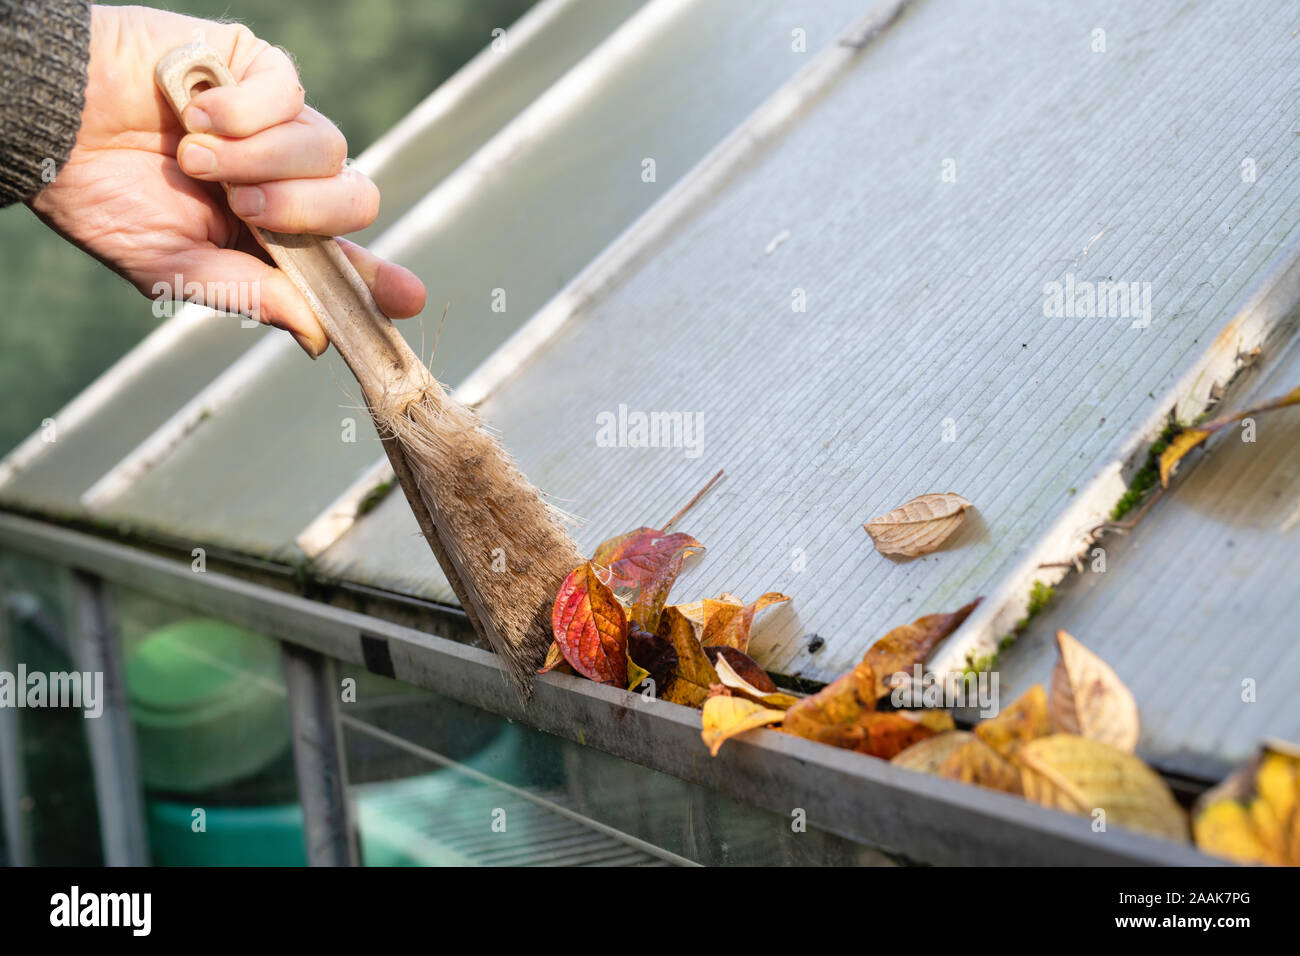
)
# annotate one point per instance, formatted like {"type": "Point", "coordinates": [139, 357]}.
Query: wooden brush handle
{"type": "Point", "coordinates": [389, 372]}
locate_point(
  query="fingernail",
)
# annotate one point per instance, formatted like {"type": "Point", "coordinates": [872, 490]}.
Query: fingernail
{"type": "Point", "coordinates": [198, 160]}
{"type": "Point", "coordinates": [197, 121]}
{"type": "Point", "coordinates": [247, 200]}
{"type": "Point", "coordinates": [307, 346]}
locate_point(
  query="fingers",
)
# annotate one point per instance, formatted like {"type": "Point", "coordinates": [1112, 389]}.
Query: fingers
{"type": "Point", "coordinates": [237, 282]}
{"type": "Point", "coordinates": [307, 147]}
{"type": "Point", "coordinates": [267, 92]}
{"type": "Point", "coordinates": [398, 292]}
{"type": "Point", "coordinates": [324, 207]}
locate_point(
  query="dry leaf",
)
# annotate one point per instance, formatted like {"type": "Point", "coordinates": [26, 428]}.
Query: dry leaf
{"type": "Point", "coordinates": [728, 624]}
{"type": "Point", "coordinates": [1023, 721]}
{"type": "Point", "coordinates": [842, 714]}
{"type": "Point", "coordinates": [1186, 440]}
{"type": "Point", "coordinates": [725, 717]}
{"type": "Point", "coordinates": [590, 627]}
{"type": "Point", "coordinates": [693, 675]}
{"type": "Point", "coordinates": [1081, 776]}
{"type": "Point", "coordinates": [729, 678]}
{"type": "Point", "coordinates": [648, 562]}
{"type": "Point", "coordinates": [554, 658]}
{"type": "Point", "coordinates": [929, 756]}
{"type": "Point", "coordinates": [1088, 699]}
{"type": "Point", "coordinates": [1254, 815]}
{"type": "Point", "coordinates": [919, 526]}
{"type": "Point", "coordinates": [978, 763]}
{"type": "Point", "coordinates": [911, 644]}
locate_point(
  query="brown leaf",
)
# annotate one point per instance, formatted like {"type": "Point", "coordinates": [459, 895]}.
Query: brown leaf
{"type": "Point", "coordinates": [1088, 699]}
{"type": "Point", "coordinates": [1186, 440]}
{"type": "Point", "coordinates": [1082, 776]}
{"type": "Point", "coordinates": [648, 562]}
{"type": "Point", "coordinates": [1023, 721]}
{"type": "Point", "coordinates": [728, 624]}
{"type": "Point", "coordinates": [734, 682]}
{"type": "Point", "coordinates": [725, 717]}
{"type": "Point", "coordinates": [744, 666]}
{"type": "Point", "coordinates": [693, 676]}
{"type": "Point", "coordinates": [590, 627]}
{"type": "Point", "coordinates": [919, 526]}
{"type": "Point", "coordinates": [842, 714]}
{"type": "Point", "coordinates": [654, 653]}
{"type": "Point", "coordinates": [910, 644]}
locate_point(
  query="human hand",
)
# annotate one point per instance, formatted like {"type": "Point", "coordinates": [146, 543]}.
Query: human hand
{"type": "Point", "coordinates": [142, 195]}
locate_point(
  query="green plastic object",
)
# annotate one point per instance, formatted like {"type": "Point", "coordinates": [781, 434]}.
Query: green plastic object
{"type": "Point", "coordinates": [208, 704]}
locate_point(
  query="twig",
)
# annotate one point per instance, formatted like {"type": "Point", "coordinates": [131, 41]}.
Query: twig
{"type": "Point", "coordinates": [1132, 522]}
{"type": "Point", "coordinates": [691, 504]}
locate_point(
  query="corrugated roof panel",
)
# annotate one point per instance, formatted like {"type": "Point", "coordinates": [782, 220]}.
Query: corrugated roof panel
{"type": "Point", "coordinates": [1196, 608]}
{"type": "Point", "coordinates": [925, 304]}
{"type": "Point", "coordinates": [565, 178]}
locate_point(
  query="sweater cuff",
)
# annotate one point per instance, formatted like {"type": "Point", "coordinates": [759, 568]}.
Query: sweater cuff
{"type": "Point", "coordinates": [44, 49]}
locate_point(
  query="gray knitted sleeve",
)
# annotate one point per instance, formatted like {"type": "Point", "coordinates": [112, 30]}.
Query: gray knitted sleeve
{"type": "Point", "coordinates": [44, 48]}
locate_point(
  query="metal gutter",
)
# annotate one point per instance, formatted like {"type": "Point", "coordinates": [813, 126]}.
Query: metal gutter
{"type": "Point", "coordinates": [872, 802]}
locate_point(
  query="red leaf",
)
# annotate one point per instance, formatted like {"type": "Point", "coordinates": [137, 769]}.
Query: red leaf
{"type": "Point", "coordinates": [591, 628]}
{"type": "Point", "coordinates": [647, 561]}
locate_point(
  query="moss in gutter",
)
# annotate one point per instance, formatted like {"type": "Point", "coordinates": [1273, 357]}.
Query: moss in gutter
{"type": "Point", "coordinates": [1040, 595]}
{"type": "Point", "coordinates": [371, 501]}
{"type": "Point", "coordinates": [1148, 476]}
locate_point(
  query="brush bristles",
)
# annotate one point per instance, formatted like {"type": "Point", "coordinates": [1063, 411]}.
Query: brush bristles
{"type": "Point", "coordinates": [506, 544]}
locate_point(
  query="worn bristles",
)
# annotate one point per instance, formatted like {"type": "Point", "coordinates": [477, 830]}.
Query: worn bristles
{"type": "Point", "coordinates": [508, 546]}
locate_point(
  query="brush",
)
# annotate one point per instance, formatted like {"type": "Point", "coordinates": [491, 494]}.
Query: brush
{"type": "Point", "coordinates": [468, 496]}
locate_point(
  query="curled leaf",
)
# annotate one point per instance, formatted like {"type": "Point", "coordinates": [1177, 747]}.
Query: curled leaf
{"type": "Point", "coordinates": [729, 624]}
{"type": "Point", "coordinates": [726, 716]}
{"type": "Point", "coordinates": [1083, 776]}
{"type": "Point", "coordinates": [1088, 698]}
{"type": "Point", "coordinates": [911, 644]}
{"type": "Point", "coordinates": [590, 627]}
{"type": "Point", "coordinates": [554, 658]}
{"type": "Point", "coordinates": [732, 680]}
{"type": "Point", "coordinates": [918, 526]}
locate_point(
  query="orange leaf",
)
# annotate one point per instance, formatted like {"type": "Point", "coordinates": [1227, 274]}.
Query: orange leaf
{"type": "Point", "coordinates": [725, 717]}
{"type": "Point", "coordinates": [591, 627]}
{"type": "Point", "coordinates": [911, 644]}
{"type": "Point", "coordinates": [728, 624]}
{"type": "Point", "coordinates": [648, 562]}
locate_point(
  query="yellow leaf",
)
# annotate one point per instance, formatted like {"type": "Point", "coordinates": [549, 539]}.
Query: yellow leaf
{"type": "Point", "coordinates": [729, 678]}
{"type": "Point", "coordinates": [725, 717]}
{"type": "Point", "coordinates": [1023, 721]}
{"type": "Point", "coordinates": [1081, 776]}
{"type": "Point", "coordinates": [1186, 440]}
{"type": "Point", "coordinates": [635, 674]}
{"type": "Point", "coordinates": [1254, 815]}
{"type": "Point", "coordinates": [978, 763]}
{"type": "Point", "coordinates": [693, 675]}
{"type": "Point", "coordinates": [918, 526]}
{"type": "Point", "coordinates": [1088, 698]}
{"type": "Point", "coordinates": [929, 755]}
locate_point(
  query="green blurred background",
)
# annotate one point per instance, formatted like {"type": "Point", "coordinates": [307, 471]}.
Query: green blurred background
{"type": "Point", "coordinates": [364, 65]}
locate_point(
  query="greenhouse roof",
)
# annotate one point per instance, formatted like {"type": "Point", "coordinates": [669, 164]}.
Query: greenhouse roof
{"type": "Point", "coordinates": [839, 271]}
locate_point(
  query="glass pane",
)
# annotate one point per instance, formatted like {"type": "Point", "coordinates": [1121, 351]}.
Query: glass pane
{"type": "Point", "coordinates": [211, 722]}
{"type": "Point", "coordinates": [57, 809]}
{"type": "Point", "coordinates": [437, 783]}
